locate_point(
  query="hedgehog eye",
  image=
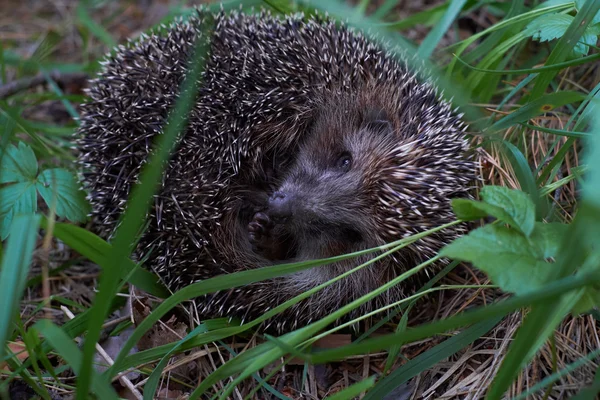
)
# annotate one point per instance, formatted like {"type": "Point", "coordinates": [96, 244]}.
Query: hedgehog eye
{"type": "Point", "coordinates": [344, 162]}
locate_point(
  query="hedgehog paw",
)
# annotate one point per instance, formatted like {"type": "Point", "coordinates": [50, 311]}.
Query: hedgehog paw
{"type": "Point", "coordinates": [259, 230]}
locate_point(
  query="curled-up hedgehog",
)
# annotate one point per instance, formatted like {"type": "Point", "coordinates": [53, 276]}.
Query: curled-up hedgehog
{"type": "Point", "coordinates": [307, 140]}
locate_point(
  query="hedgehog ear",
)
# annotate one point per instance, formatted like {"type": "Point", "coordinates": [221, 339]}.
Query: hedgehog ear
{"type": "Point", "coordinates": [377, 120]}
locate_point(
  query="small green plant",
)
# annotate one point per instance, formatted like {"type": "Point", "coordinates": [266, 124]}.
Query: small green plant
{"type": "Point", "coordinates": [553, 26]}
{"type": "Point", "coordinates": [516, 252]}
{"type": "Point", "coordinates": [22, 181]}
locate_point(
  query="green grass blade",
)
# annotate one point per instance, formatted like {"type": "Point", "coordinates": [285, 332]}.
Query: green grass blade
{"type": "Point", "coordinates": [551, 291]}
{"type": "Point", "coordinates": [558, 375]}
{"type": "Point", "coordinates": [432, 39]}
{"type": "Point", "coordinates": [15, 60]}
{"type": "Point", "coordinates": [586, 110]}
{"type": "Point", "coordinates": [45, 47]}
{"type": "Point", "coordinates": [353, 391]}
{"type": "Point", "coordinates": [550, 67]}
{"type": "Point", "coordinates": [525, 176]}
{"type": "Point", "coordinates": [565, 46]}
{"type": "Point", "coordinates": [537, 327]}
{"type": "Point", "coordinates": [431, 357]}
{"type": "Point", "coordinates": [425, 287]}
{"type": "Point", "coordinates": [68, 106]}
{"type": "Point", "coordinates": [272, 353]}
{"type": "Point", "coordinates": [262, 383]}
{"type": "Point", "coordinates": [512, 21]}
{"type": "Point", "coordinates": [558, 132]}
{"type": "Point", "coordinates": [490, 43]}
{"type": "Point", "coordinates": [385, 8]}
{"type": "Point", "coordinates": [240, 278]}
{"type": "Point", "coordinates": [427, 17]}
{"type": "Point", "coordinates": [92, 26]}
{"type": "Point", "coordinates": [98, 251]}
{"type": "Point", "coordinates": [69, 351]}
{"type": "Point", "coordinates": [138, 205]}
{"type": "Point", "coordinates": [154, 378]}
{"type": "Point", "coordinates": [13, 275]}
{"type": "Point", "coordinates": [537, 107]}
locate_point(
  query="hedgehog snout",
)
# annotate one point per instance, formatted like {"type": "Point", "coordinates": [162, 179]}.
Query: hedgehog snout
{"type": "Point", "coordinates": [281, 205]}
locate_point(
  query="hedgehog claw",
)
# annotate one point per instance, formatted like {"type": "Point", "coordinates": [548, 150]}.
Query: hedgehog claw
{"type": "Point", "coordinates": [259, 231]}
{"type": "Point", "coordinates": [255, 227]}
{"type": "Point", "coordinates": [262, 218]}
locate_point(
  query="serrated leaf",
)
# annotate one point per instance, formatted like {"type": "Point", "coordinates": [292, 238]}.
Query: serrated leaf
{"type": "Point", "coordinates": [589, 38]}
{"type": "Point", "coordinates": [512, 261]}
{"type": "Point", "coordinates": [515, 203]}
{"type": "Point", "coordinates": [549, 27]}
{"type": "Point", "coordinates": [61, 185]}
{"type": "Point", "coordinates": [17, 198]}
{"type": "Point", "coordinates": [18, 164]}
{"type": "Point", "coordinates": [470, 210]}
{"type": "Point", "coordinates": [507, 205]}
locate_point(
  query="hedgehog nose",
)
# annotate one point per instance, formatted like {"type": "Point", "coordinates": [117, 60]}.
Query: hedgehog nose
{"type": "Point", "coordinates": [280, 205]}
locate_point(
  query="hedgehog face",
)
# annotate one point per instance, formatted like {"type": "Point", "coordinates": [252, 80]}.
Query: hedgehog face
{"type": "Point", "coordinates": [326, 199]}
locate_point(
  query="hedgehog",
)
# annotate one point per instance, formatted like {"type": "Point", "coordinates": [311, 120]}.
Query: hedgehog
{"type": "Point", "coordinates": [307, 140]}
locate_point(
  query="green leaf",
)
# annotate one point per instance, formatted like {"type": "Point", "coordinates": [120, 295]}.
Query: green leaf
{"type": "Point", "coordinates": [588, 39]}
{"type": "Point", "coordinates": [470, 210]}
{"type": "Point", "coordinates": [18, 164]}
{"type": "Point", "coordinates": [515, 203]}
{"type": "Point", "coordinates": [513, 207]}
{"type": "Point", "coordinates": [549, 237]}
{"type": "Point", "coordinates": [18, 198]}
{"type": "Point", "coordinates": [513, 262]}
{"type": "Point", "coordinates": [60, 188]}
{"type": "Point", "coordinates": [549, 27]}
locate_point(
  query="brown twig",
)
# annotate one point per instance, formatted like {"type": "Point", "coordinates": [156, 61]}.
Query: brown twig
{"type": "Point", "coordinates": [14, 87]}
